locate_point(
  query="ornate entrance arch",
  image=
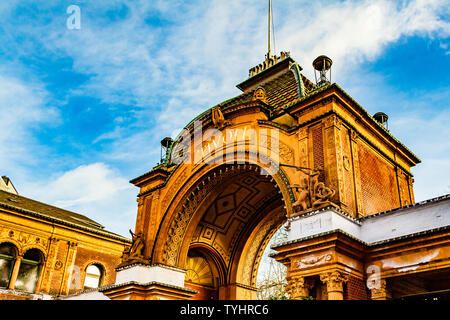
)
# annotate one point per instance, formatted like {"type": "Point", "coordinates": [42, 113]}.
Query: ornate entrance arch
{"type": "Point", "coordinates": [227, 196]}
{"type": "Point", "coordinates": [231, 210]}
{"type": "Point", "coordinates": [282, 150]}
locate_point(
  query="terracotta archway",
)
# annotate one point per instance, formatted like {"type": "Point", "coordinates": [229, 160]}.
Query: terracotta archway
{"type": "Point", "coordinates": [231, 201]}
{"type": "Point", "coordinates": [328, 152]}
{"type": "Point", "coordinates": [234, 213]}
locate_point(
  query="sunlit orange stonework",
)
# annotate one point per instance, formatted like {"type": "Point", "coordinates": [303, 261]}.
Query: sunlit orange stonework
{"type": "Point", "coordinates": [208, 219]}
{"type": "Point", "coordinates": [66, 244]}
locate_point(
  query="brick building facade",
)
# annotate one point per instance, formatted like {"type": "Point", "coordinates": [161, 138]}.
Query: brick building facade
{"type": "Point", "coordinates": [46, 252]}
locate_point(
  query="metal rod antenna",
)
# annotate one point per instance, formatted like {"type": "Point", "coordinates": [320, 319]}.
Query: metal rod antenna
{"type": "Point", "coordinates": [270, 19]}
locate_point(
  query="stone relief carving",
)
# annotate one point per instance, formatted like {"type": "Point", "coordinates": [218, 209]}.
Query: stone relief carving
{"type": "Point", "coordinates": [332, 121]}
{"type": "Point", "coordinates": [346, 163]}
{"type": "Point", "coordinates": [24, 238]}
{"type": "Point", "coordinates": [286, 153]}
{"type": "Point", "coordinates": [312, 261]}
{"type": "Point", "coordinates": [260, 94]}
{"type": "Point", "coordinates": [58, 265]}
{"type": "Point", "coordinates": [136, 252]}
{"type": "Point", "coordinates": [312, 193]}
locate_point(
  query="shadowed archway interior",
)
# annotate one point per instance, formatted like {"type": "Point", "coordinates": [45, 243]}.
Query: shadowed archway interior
{"type": "Point", "coordinates": [232, 227]}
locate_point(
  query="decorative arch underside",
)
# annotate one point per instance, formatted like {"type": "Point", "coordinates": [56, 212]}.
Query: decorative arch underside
{"type": "Point", "coordinates": [232, 211]}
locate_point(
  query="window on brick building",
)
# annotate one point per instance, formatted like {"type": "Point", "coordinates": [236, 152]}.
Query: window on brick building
{"type": "Point", "coordinates": [93, 277]}
{"type": "Point", "coordinates": [8, 254]}
{"type": "Point", "coordinates": [29, 270]}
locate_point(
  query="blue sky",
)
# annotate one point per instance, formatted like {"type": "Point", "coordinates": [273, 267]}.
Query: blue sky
{"type": "Point", "coordinates": [83, 111]}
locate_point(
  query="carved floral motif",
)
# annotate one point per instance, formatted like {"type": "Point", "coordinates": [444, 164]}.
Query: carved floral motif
{"type": "Point", "coordinates": [298, 287]}
{"type": "Point", "coordinates": [334, 280]}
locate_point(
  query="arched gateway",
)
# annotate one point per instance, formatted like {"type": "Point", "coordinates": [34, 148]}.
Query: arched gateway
{"type": "Point", "coordinates": [284, 148]}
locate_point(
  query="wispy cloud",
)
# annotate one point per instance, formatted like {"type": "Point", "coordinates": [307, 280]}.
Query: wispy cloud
{"type": "Point", "coordinates": [96, 190]}
{"type": "Point", "coordinates": [354, 32]}
{"type": "Point", "coordinates": [23, 111]}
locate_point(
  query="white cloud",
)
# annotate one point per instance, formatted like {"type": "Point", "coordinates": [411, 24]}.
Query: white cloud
{"type": "Point", "coordinates": [432, 178]}
{"type": "Point", "coordinates": [22, 109]}
{"type": "Point", "coordinates": [204, 51]}
{"type": "Point", "coordinates": [427, 136]}
{"type": "Point", "coordinates": [352, 32]}
{"type": "Point", "coordinates": [94, 190]}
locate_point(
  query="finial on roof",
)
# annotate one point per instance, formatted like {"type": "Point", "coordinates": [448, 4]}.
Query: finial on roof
{"type": "Point", "coordinates": [270, 59]}
{"type": "Point", "coordinates": [323, 65]}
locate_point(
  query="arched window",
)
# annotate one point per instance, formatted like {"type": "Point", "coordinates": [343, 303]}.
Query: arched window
{"type": "Point", "coordinates": [7, 260]}
{"type": "Point", "coordinates": [93, 277]}
{"type": "Point", "coordinates": [29, 270]}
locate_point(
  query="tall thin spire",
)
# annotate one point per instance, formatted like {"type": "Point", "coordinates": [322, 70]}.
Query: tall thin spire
{"type": "Point", "coordinates": [269, 25]}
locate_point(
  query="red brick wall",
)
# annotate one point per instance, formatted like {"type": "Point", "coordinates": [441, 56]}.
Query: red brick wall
{"type": "Point", "coordinates": [109, 262]}
{"type": "Point", "coordinates": [404, 190]}
{"type": "Point", "coordinates": [355, 289]}
{"type": "Point", "coordinates": [378, 182]}
{"type": "Point", "coordinates": [56, 277]}
{"type": "Point", "coordinates": [318, 153]}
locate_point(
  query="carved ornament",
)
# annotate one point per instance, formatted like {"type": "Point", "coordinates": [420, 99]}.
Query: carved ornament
{"type": "Point", "coordinates": [218, 119]}
{"type": "Point", "coordinates": [260, 94]}
{"type": "Point", "coordinates": [299, 287]}
{"type": "Point", "coordinates": [334, 280]}
{"type": "Point", "coordinates": [346, 163]}
{"type": "Point", "coordinates": [313, 194]}
{"type": "Point", "coordinates": [136, 252]}
{"type": "Point", "coordinates": [312, 261]}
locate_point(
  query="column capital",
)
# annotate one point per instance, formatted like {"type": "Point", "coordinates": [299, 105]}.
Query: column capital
{"type": "Point", "coordinates": [298, 287]}
{"type": "Point", "coordinates": [332, 120]}
{"type": "Point", "coordinates": [381, 292]}
{"type": "Point", "coordinates": [334, 276]}
{"type": "Point", "coordinates": [335, 284]}
{"type": "Point", "coordinates": [302, 133]}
